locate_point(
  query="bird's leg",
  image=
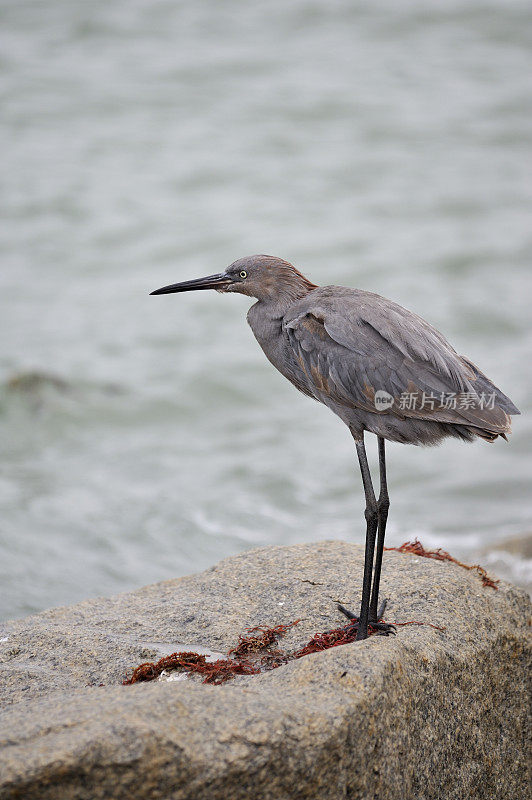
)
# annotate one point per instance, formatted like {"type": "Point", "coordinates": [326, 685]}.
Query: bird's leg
{"type": "Point", "coordinates": [371, 530]}
{"type": "Point", "coordinates": [372, 521]}
{"type": "Point", "coordinates": [383, 504]}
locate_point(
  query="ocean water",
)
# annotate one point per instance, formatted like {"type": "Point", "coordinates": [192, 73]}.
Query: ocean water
{"type": "Point", "coordinates": [385, 146]}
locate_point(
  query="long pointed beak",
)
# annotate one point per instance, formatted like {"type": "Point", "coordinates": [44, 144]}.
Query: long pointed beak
{"type": "Point", "coordinates": [219, 281]}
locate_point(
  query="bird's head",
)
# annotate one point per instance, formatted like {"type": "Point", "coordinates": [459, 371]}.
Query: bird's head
{"type": "Point", "coordinates": [265, 277]}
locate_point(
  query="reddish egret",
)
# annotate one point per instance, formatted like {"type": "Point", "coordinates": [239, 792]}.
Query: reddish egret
{"type": "Point", "coordinates": [379, 367]}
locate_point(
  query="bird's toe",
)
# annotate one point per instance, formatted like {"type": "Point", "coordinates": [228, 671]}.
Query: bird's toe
{"type": "Point", "coordinates": [383, 628]}
{"type": "Point", "coordinates": [378, 627]}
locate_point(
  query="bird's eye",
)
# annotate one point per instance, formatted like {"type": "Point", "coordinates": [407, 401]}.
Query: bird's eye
{"type": "Point", "coordinates": [243, 274]}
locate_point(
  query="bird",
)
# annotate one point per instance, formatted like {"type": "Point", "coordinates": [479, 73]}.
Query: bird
{"type": "Point", "coordinates": [381, 368]}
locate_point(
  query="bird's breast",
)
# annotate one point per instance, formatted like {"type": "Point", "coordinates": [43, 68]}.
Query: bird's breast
{"type": "Point", "coordinates": [276, 347]}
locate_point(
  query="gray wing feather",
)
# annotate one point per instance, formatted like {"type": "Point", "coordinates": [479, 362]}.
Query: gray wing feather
{"type": "Point", "coordinates": [379, 345]}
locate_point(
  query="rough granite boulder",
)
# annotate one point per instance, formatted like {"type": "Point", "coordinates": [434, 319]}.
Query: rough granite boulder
{"type": "Point", "coordinates": [427, 714]}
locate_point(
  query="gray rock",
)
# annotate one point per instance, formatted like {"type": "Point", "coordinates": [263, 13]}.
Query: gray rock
{"type": "Point", "coordinates": [427, 714]}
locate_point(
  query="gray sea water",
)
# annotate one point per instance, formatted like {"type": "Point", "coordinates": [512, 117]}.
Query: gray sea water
{"type": "Point", "coordinates": [385, 146]}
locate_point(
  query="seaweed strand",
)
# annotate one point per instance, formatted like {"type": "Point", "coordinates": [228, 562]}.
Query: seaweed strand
{"type": "Point", "coordinates": [417, 549]}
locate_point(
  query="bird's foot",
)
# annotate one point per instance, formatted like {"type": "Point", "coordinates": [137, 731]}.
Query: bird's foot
{"type": "Point", "coordinates": [381, 628]}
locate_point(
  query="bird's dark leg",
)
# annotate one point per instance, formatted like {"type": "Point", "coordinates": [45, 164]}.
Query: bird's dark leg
{"type": "Point", "coordinates": [371, 531]}
{"type": "Point", "coordinates": [383, 504]}
{"type": "Point", "coordinates": [372, 521]}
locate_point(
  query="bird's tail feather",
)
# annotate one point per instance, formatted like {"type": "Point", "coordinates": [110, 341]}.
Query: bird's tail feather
{"type": "Point", "coordinates": [482, 385]}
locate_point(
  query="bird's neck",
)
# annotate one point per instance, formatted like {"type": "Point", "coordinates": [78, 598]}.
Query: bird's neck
{"type": "Point", "coordinates": [286, 290]}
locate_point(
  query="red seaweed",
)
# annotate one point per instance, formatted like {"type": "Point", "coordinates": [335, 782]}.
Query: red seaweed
{"type": "Point", "coordinates": [260, 656]}
{"type": "Point", "coordinates": [266, 637]}
{"type": "Point", "coordinates": [213, 671]}
{"type": "Point", "coordinates": [417, 549]}
{"type": "Point", "coordinates": [219, 671]}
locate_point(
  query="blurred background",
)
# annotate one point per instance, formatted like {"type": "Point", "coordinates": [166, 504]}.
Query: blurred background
{"type": "Point", "coordinates": [385, 146]}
